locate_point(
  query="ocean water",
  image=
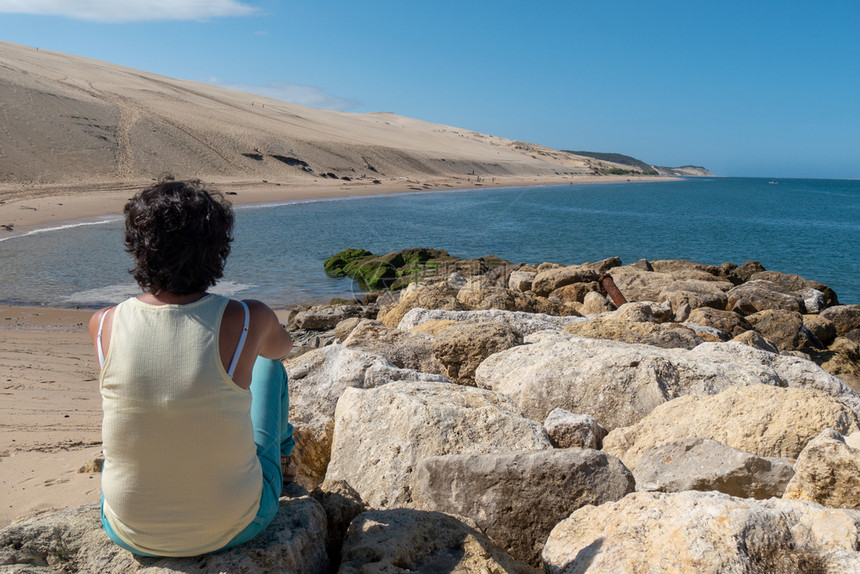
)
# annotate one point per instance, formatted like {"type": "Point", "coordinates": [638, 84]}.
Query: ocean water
{"type": "Point", "coordinates": [808, 227]}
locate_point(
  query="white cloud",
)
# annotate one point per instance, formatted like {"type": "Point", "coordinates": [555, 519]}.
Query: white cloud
{"type": "Point", "coordinates": [128, 10]}
{"type": "Point", "coordinates": [294, 93]}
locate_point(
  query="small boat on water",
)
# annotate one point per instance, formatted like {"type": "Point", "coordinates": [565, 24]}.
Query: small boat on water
{"type": "Point", "coordinates": [773, 182]}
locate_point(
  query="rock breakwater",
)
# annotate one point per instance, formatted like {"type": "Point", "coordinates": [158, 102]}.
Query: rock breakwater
{"type": "Point", "coordinates": [510, 418]}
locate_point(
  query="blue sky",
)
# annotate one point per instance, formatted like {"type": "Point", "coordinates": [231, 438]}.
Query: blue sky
{"type": "Point", "coordinates": [746, 88]}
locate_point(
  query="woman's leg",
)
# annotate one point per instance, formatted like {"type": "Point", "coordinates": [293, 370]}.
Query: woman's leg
{"type": "Point", "coordinates": [273, 435]}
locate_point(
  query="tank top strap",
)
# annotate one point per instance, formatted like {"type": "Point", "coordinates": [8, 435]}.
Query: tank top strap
{"type": "Point", "coordinates": [242, 338]}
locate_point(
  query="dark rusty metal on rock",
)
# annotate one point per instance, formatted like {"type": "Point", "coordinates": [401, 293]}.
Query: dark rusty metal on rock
{"type": "Point", "coordinates": [608, 285]}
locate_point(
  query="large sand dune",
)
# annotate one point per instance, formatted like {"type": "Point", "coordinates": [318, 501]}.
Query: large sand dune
{"type": "Point", "coordinates": [68, 120]}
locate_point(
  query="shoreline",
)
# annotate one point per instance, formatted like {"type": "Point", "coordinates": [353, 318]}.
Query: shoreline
{"type": "Point", "coordinates": [25, 210]}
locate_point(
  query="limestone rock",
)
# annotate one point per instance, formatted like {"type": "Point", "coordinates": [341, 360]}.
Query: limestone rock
{"type": "Point", "coordinates": [760, 295]}
{"type": "Point", "coordinates": [683, 268]}
{"type": "Point", "coordinates": [316, 381]}
{"type": "Point", "coordinates": [696, 293]}
{"type": "Point", "coordinates": [575, 292]}
{"type": "Point", "coordinates": [757, 341]}
{"type": "Point", "coordinates": [435, 296]}
{"type": "Point", "coordinates": [666, 335]}
{"type": "Point", "coordinates": [476, 296]}
{"type": "Point", "coordinates": [522, 323]}
{"type": "Point", "coordinates": [759, 419]}
{"type": "Point", "coordinates": [841, 359]}
{"type": "Point", "coordinates": [594, 303]}
{"type": "Point", "coordinates": [638, 285]}
{"type": "Point", "coordinates": [566, 430]}
{"type": "Point", "coordinates": [405, 349]}
{"type": "Point", "coordinates": [728, 322]}
{"type": "Point", "coordinates": [382, 434]}
{"type": "Point", "coordinates": [406, 540]}
{"type": "Point", "coordinates": [619, 383]}
{"type": "Point", "coordinates": [551, 279]}
{"type": "Point", "coordinates": [462, 347]}
{"type": "Point", "coordinates": [792, 284]}
{"type": "Point", "coordinates": [827, 472]}
{"type": "Point", "coordinates": [822, 327]}
{"type": "Point", "coordinates": [706, 533]}
{"type": "Point", "coordinates": [704, 464]}
{"type": "Point", "coordinates": [743, 273]}
{"type": "Point", "coordinates": [516, 498]}
{"type": "Point", "coordinates": [341, 504]}
{"type": "Point", "coordinates": [638, 312]}
{"type": "Point", "coordinates": [434, 326]}
{"type": "Point", "coordinates": [814, 301]}
{"type": "Point", "coordinates": [345, 327]}
{"type": "Point", "coordinates": [783, 328]}
{"type": "Point", "coordinates": [327, 317]}
{"type": "Point", "coordinates": [521, 280]}
{"type": "Point", "coordinates": [845, 317]}
{"type": "Point", "coordinates": [73, 540]}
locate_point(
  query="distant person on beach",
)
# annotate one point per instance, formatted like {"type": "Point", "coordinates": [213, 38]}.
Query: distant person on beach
{"type": "Point", "coordinates": [195, 433]}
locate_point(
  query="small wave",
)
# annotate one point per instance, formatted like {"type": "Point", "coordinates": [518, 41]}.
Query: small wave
{"type": "Point", "coordinates": [107, 219]}
{"type": "Point", "coordinates": [112, 294]}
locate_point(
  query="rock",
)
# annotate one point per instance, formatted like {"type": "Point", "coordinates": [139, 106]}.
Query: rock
{"type": "Point", "coordinates": [73, 540]}
{"type": "Point", "coordinates": [405, 349]}
{"type": "Point", "coordinates": [516, 498]}
{"type": "Point", "coordinates": [792, 284]}
{"type": "Point", "coordinates": [728, 322]}
{"type": "Point", "coordinates": [325, 318]}
{"type": "Point", "coordinates": [706, 333]}
{"type": "Point", "coordinates": [845, 317]}
{"type": "Point", "coordinates": [594, 303]}
{"type": "Point", "coordinates": [756, 341]}
{"type": "Point", "coordinates": [814, 301]}
{"type": "Point", "coordinates": [521, 280]}
{"type": "Point", "coordinates": [438, 296]}
{"type": "Point", "coordinates": [705, 533]}
{"type": "Point", "coordinates": [566, 430]}
{"type": "Point", "coordinates": [433, 327]}
{"type": "Point", "coordinates": [619, 383]}
{"type": "Point", "coordinates": [462, 347]}
{"type": "Point", "coordinates": [682, 268]}
{"type": "Point", "coordinates": [704, 464]}
{"type": "Point", "coordinates": [406, 540]}
{"type": "Point", "coordinates": [575, 292]}
{"type": "Point", "coordinates": [316, 381]}
{"type": "Point", "coordinates": [457, 281]}
{"type": "Point", "coordinates": [601, 267]}
{"type": "Point", "coordinates": [94, 466]}
{"type": "Point", "coordinates": [760, 295]}
{"type": "Point", "coordinates": [345, 327]}
{"type": "Point", "coordinates": [644, 265]}
{"type": "Point", "coordinates": [522, 323]}
{"type": "Point", "coordinates": [665, 335]}
{"type": "Point", "coordinates": [743, 273]}
{"type": "Point", "coordinates": [682, 313]}
{"type": "Point", "coordinates": [341, 504]}
{"type": "Point", "coordinates": [551, 279]}
{"type": "Point", "coordinates": [696, 293]}
{"type": "Point", "coordinates": [382, 434]}
{"type": "Point", "coordinates": [636, 312]}
{"type": "Point", "coordinates": [827, 472]}
{"type": "Point", "coordinates": [759, 419]}
{"type": "Point", "coordinates": [638, 285]}
{"type": "Point", "coordinates": [783, 328]}
{"type": "Point", "coordinates": [841, 359]}
{"type": "Point", "coordinates": [822, 327]}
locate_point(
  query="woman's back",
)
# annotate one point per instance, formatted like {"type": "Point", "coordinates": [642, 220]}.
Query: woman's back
{"type": "Point", "coordinates": [182, 475]}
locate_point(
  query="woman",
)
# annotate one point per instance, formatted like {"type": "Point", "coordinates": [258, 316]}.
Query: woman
{"type": "Point", "coordinates": [195, 432]}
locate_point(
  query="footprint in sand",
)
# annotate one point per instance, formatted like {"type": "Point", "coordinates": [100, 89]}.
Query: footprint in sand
{"type": "Point", "coordinates": [55, 481]}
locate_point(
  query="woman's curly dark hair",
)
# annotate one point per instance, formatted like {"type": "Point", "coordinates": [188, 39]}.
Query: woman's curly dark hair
{"type": "Point", "coordinates": [179, 234]}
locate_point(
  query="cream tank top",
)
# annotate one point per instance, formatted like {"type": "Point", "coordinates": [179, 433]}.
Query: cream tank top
{"type": "Point", "coordinates": [181, 475]}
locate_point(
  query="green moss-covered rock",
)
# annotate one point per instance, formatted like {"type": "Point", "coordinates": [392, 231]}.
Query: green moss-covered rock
{"type": "Point", "coordinates": [336, 265]}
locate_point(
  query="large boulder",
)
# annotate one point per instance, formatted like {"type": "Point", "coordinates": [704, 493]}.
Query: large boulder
{"type": "Point", "coordinates": [517, 497]}
{"type": "Point", "coordinates": [841, 359]}
{"type": "Point", "coordinates": [827, 472]}
{"type": "Point", "coordinates": [475, 295]}
{"type": "Point", "coordinates": [382, 434]}
{"type": "Point", "coordinates": [696, 293]}
{"type": "Point", "coordinates": [549, 280]}
{"type": "Point", "coordinates": [316, 381]}
{"type": "Point", "coordinates": [434, 296]}
{"type": "Point", "coordinates": [729, 322]}
{"type": "Point", "coordinates": [706, 533]}
{"type": "Point", "coordinates": [404, 349]}
{"type": "Point", "coordinates": [784, 328]}
{"type": "Point", "coordinates": [637, 284]}
{"type": "Point", "coordinates": [575, 292]}
{"type": "Point", "coordinates": [463, 346]}
{"type": "Point", "coordinates": [620, 383]}
{"type": "Point", "coordinates": [844, 317]}
{"type": "Point", "coordinates": [795, 285]}
{"type": "Point", "coordinates": [73, 540]}
{"type": "Point", "coordinates": [665, 335]}
{"type": "Point", "coordinates": [759, 419]}
{"type": "Point", "coordinates": [407, 540]}
{"type": "Point", "coordinates": [823, 328]}
{"type": "Point", "coordinates": [522, 323]}
{"type": "Point", "coordinates": [705, 464]}
{"type": "Point", "coordinates": [759, 295]}
{"type": "Point", "coordinates": [521, 280]}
